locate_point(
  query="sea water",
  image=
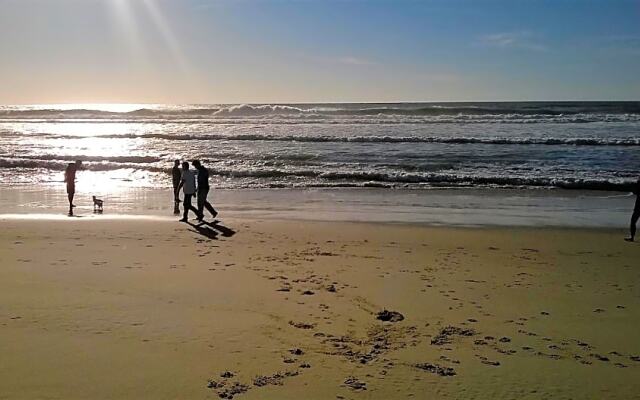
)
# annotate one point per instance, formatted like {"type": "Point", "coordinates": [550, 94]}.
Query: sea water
{"type": "Point", "coordinates": [399, 149]}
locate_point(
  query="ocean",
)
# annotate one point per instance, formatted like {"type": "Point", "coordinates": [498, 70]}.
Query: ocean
{"type": "Point", "coordinates": [524, 163]}
{"type": "Point", "coordinates": [516, 145]}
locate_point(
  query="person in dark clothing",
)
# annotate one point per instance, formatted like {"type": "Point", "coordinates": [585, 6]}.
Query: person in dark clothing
{"type": "Point", "coordinates": [176, 175]}
{"type": "Point", "coordinates": [188, 185]}
{"type": "Point", "coordinates": [636, 214]}
{"type": "Point", "coordinates": [203, 190]}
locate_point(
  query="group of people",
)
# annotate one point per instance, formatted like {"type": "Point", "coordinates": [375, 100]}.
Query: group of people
{"type": "Point", "coordinates": [193, 183]}
{"type": "Point", "coordinates": [196, 183]}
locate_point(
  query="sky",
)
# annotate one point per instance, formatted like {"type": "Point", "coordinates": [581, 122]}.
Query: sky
{"type": "Point", "coordinates": [281, 51]}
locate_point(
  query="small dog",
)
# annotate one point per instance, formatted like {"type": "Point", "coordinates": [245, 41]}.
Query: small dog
{"type": "Point", "coordinates": [97, 204]}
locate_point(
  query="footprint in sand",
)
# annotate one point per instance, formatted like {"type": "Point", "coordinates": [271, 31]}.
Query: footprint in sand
{"type": "Point", "coordinates": [355, 384]}
{"type": "Point", "coordinates": [436, 369]}
{"type": "Point", "coordinates": [599, 357]}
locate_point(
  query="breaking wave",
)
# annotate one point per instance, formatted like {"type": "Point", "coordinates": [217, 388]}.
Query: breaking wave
{"type": "Point", "coordinates": [574, 145]}
{"type": "Point", "coordinates": [320, 177]}
{"type": "Point", "coordinates": [571, 141]}
{"type": "Point", "coordinates": [117, 159]}
{"type": "Point", "coordinates": [414, 112]}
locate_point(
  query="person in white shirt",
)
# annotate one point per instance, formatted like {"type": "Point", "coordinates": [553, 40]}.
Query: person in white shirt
{"type": "Point", "coordinates": [188, 185]}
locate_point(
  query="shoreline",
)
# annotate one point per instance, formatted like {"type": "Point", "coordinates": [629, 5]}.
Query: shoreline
{"type": "Point", "coordinates": [146, 218]}
{"type": "Point", "coordinates": [441, 207]}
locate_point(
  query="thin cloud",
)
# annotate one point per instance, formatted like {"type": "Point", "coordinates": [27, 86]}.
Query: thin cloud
{"type": "Point", "coordinates": [512, 40]}
{"type": "Point", "coordinates": [624, 43]}
{"type": "Point", "coordinates": [442, 77]}
{"type": "Point", "coordinates": [350, 60]}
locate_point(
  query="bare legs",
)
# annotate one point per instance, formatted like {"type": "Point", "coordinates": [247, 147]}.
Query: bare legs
{"type": "Point", "coordinates": [70, 195]}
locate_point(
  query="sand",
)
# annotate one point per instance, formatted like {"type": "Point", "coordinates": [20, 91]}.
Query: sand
{"type": "Point", "coordinates": [441, 206]}
{"type": "Point", "coordinates": [155, 309]}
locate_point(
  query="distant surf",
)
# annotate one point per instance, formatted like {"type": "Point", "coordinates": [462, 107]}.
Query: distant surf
{"type": "Point", "coordinates": [526, 112]}
{"type": "Point", "coordinates": [570, 145]}
{"type": "Point", "coordinates": [573, 141]}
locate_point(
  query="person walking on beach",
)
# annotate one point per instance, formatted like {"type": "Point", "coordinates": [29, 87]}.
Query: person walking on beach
{"type": "Point", "coordinates": [203, 190]}
{"type": "Point", "coordinates": [176, 175]}
{"type": "Point", "coordinates": [70, 180]}
{"type": "Point", "coordinates": [188, 185]}
{"type": "Point", "coordinates": [636, 214]}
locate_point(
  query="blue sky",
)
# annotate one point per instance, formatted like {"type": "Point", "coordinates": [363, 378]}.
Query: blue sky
{"type": "Point", "coordinates": [234, 51]}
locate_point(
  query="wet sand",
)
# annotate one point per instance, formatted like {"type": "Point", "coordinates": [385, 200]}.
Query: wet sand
{"type": "Point", "coordinates": [260, 309]}
{"type": "Point", "coordinates": [446, 207]}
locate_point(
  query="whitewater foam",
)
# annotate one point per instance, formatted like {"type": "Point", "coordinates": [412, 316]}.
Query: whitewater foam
{"type": "Point", "coordinates": [576, 145]}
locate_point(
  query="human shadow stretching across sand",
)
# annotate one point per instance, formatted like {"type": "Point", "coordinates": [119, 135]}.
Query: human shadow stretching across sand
{"type": "Point", "coordinates": [211, 229]}
{"type": "Point", "coordinates": [225, 231]}
{"type": "Point", "coordinates": [204, 231]}
{"type": "Point", "coordinates": [636, 214]}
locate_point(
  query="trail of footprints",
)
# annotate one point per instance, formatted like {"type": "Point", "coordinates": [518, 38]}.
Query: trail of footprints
{"type": "Point", "coordinates": [384, 338]}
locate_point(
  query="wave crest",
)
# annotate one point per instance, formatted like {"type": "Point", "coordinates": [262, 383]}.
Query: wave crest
{"type": "Point", "coordinates": [305, 177]}
{"type": "Point", "coordinates": [427, 112]}
{"type": "Point", "coordinates": [496, 140]}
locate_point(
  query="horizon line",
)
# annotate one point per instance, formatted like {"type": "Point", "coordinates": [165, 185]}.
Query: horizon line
{"type": "Point", "coordinates": [318, 102]}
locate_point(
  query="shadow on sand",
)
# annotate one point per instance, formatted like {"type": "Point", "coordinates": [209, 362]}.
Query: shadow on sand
{"type": "Point", "coordinates": [216, 225]}
{"type": "Point", "coordinates": [211, 229]}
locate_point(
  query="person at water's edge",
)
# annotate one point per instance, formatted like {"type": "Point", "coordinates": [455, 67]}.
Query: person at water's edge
{"type": "Point", "coordinates": [203, 190]}
{"type": "Point", "coordinates": [70, 180]}
{"type": "Point", "coordinates": [636, 214]}
{"type": "Point", "coordinates": [188, 185]}
{"type": "Point", "coordinates": [176, 174]}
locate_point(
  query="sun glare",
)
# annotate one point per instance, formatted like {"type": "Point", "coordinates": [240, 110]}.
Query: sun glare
{"type": "Point", "coordinates": [130, 22]}
{"type": "Point", "coordinates": [168, 35]}
{"type": "Point", "coordinates": [126, 21]}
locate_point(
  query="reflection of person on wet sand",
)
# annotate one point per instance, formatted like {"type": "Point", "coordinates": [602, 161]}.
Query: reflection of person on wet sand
{"type": "Point", "coordinates": [636, 213]}
{"type": "Point", "coordinates": [176, 175]}
{"type": "Point", "coordinates": [188, 185]}
{"type": "Point", "coordinates": [70, 180]}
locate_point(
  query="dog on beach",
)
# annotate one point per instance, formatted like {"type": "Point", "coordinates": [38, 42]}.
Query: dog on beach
{"type": "Point", "coordinates": [97, 204]}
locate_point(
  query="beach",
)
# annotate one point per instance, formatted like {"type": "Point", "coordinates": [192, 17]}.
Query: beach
{"type": "Point", "coordinates": [258, 308]}
{"type": "Point", "coordinates": [312, 200]}
{"type": "Point", "coordinates": [363, 251]}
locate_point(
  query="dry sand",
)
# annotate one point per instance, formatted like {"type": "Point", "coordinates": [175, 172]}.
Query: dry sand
{"type": "Point", "coordinates": [115, 309]}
